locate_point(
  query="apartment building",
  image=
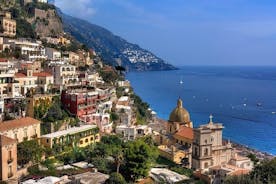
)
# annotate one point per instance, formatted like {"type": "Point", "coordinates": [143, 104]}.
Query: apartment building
{"type": "Point", "coordinates": [7, 25]}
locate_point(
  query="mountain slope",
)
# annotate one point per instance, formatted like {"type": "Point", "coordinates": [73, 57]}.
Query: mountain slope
{"type": "Point", "coordinates": [113, 49]}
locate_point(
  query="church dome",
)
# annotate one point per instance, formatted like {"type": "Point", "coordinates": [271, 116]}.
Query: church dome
{"type": "Point", "coordinates": [180, 114]}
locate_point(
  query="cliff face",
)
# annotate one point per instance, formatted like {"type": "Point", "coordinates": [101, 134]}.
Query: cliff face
{"type": "Point", "coordinates": [46, 22]}
{"type": "Point", "coordinates": [113, 49]}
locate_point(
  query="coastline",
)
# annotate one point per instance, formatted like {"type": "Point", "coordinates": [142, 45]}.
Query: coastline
{"type": "Point", "coordinates": [246, 150]}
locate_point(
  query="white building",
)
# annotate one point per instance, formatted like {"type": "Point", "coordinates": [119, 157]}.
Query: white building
{"type": "Point", "coordinates": [8, 86]}
{"type": "Point", "coordinates": [53, 54]}
{"type": "Point", "coordinates": [133, 132]}
{"type": "Point", "coordinates": [32, 50]}
{"type": "Point", "coordinates": [65, 75]}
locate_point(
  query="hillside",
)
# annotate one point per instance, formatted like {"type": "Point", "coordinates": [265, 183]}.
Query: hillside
{"type": "Point", "coordinates": [35, 19]}
{"type": "Point", "coordinates": [113, 49]}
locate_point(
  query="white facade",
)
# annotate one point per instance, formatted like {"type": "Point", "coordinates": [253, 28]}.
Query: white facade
{"type": "Point", "coordinates": [32, 50]}
{"type": "Point", "coordinates": [65, 74]}
{"type": "Point", "coordinates": [53, 54]}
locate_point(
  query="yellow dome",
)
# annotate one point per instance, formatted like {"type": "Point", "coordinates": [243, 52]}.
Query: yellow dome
{"type": "Point", "coordinates": [180, 114]}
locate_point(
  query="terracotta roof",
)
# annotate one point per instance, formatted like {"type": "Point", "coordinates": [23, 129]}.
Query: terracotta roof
{"type": "Point", "coordinates": [20, 75]}
{"type": "Point", "coordinates": [17, 123]}
{"type": "Point", "coordinates": [185, 132]}
{"type": "Point", "coordinates": [6, 140]}
{"type": "Point", "coordinates": [3, 60]}
{"type": "Point", "coordinates": [42, 74]}
{"type": "Point", "coordinates": [240, 172]}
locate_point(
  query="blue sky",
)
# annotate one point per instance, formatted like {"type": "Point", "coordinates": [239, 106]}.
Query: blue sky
{"type": "Point", "coordinates": [189, 32]}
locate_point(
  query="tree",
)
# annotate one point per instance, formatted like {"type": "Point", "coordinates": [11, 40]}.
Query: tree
{"type": "Point", "coordinates": [265, 171]}
{"type": "Point", "coordinates": [253, 158]}
{"type": "Point", "coordinates": [29, 151]}
{"type": "Point", "coordinates": [116, 178]}
{"type": "Point", "coordinates": [138, 159]}
{"type": "Point", "coordinates": [242, 179]}
{"type": "Point", "coordinates": [119, 159]}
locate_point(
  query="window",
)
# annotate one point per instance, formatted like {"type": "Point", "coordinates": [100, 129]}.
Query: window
{"type": "Point", "coordinates": [206, 165]}
{"type": "Point", "coordinates": [10, 154]}
{"type": "Point", "coordinates": [47, 140]}
{"type": "Point", "coordinates": [10, 171]}
{"type": "Point", "coordinates": [81, 142]}
{"type": "Point", "coordinates": [86, 140]}
{"type": "Point", "coordinates": [206, 152]}
{"type": "Point", "coordinates": [25, 132]}
{"type": "Point", "coordinates": [30, 82]}
{"type": "Point", "coordinates": [91, 139]}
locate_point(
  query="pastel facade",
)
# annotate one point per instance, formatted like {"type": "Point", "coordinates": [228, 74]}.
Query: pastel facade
{"type": "Point", "coordinates": [7, 25]}
{"type": "Point", "coordinates": [27, 81]}
{"type": "Point", "coordinates": [208, 148]}
{"type": "Point", "coordinates": [22, 129]}
{"type": "Point", "coordinates": [8, 160]}
{"type": "Point", "coordinates": [76, 136]}
{"type": "Point", "coordinates": [65, 74]}
{"type": "Point", "coordinates": [44, 81]}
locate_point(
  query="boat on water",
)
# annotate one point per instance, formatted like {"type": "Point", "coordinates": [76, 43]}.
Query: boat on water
{"type": "Point", "coordinates": [180, 82]}
{"type": "Point", "coordinates": [273, 112]}
{"type": "Point", "coordinates": [259, 104]}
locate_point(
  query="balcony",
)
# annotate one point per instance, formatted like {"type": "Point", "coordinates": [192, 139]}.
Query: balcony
{"type": "Point", "coordinates": [10, 160]}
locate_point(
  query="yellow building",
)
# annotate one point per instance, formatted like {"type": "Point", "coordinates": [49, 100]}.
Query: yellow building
{"type": "Point", "coordinates": [8, 160]}
{"type": "Point", "coordinates": [27, 81]}
{"type": "Point", "coordinates": [77, 136]}
{"type": "Point", "coordinates": [7, 25]}
{"type": "Point", "coordinates": [22, 129]}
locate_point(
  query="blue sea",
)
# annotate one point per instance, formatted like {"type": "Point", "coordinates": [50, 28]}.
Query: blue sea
{"type": "Point", "coordinates": [242, 98]}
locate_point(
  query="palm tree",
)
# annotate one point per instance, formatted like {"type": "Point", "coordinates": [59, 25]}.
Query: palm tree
{"type": "Point", "coordinates": [119, 159]}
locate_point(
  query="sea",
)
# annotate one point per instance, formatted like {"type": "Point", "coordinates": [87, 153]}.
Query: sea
{"type": "Point", "coordinates": [242, 98]}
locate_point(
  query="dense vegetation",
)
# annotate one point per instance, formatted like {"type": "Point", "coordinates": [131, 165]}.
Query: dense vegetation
{"type": "Point", "coordinates": [123, 160]}
{"type": "Point", "coordinates": [29, 151]}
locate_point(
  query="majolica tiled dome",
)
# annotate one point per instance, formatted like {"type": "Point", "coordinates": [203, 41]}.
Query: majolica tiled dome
{"type": "Point", "coordinates": [179, 114]}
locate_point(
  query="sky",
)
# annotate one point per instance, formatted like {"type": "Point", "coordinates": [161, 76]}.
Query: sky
{"type": "Point", "coordinates": [189, 32]}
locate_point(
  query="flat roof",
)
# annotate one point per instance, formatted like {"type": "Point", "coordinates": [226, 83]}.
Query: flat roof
{"type": "Point", "coordinates": [123, 98]}
{"type": "Point", "coordinates": [72, 130]}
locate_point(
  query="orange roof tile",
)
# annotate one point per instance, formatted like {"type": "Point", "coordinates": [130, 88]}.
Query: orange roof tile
{"type": "Point", "coordinates": [20, 75]}
{"type": "Point", "coordinates": [42, 74]}
{"type": "Point", "coordinates": [185, 132]}
{"type": "Point", "coordinates": [239, 172]}
{"type": "Point", "coordinates": [6, 140]}
{"type": "Point", "coordinates": [3, 60]}
{"type": "Point", "coordinates": [17, 123]}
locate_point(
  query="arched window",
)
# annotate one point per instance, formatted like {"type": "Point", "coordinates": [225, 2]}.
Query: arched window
{"type": "Point", "coordinates": [206, 165]}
